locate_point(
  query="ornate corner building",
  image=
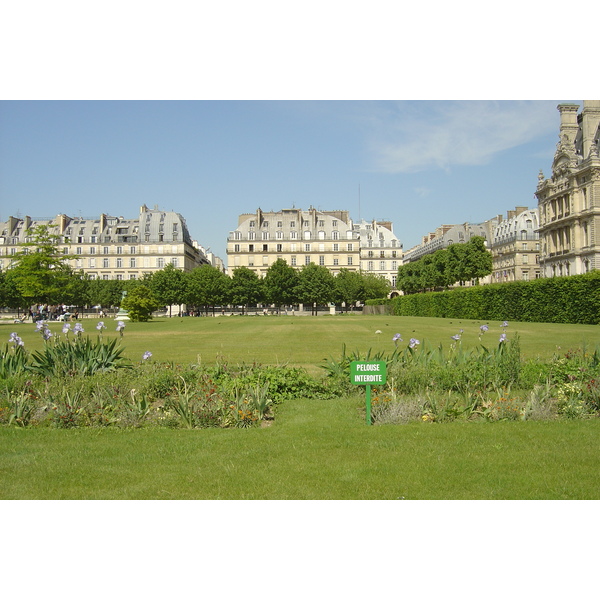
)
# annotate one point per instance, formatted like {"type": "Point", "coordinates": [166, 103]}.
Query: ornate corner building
{"type": "Point", "coordinates": [569, 201]}
{"type": "Point", "coordinates": [516, 246]}
{"type": "Point", "coordinates": [108, 247]}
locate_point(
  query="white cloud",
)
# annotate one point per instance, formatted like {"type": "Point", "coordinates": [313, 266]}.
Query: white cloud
{"type": "Point", "coordinates": [413, 136]}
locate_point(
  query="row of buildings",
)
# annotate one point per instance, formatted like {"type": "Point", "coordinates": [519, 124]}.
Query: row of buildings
{"type": "Point", "coordinates": [107, 247]}
{"type": "Point", "coordinates": [561, 236]}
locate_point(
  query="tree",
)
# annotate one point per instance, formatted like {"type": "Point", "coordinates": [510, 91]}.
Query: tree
{"type": "Point", "coordinates": [169, 286]}
{"type": "Point", "coordinates": [245, 287]}
{"type": "Point", "coordinates": [105, 292]}
{"type": "Point", "coordinates": [207, 286]}
{"type": "Point", "coordinates": [315, 285]}
{"type": "Point", "coordinates": [140, 303]}
{"type": "Point", "coordinates": [40, 272]}
{"type": "Point", "coordinates": [477, 261]}
{"type": "Point", "coordinates": [375, 286]}
{"type": "Point", "coordinates": [349, 287]}
{"type": "Point", "coordinates": [280, 283]}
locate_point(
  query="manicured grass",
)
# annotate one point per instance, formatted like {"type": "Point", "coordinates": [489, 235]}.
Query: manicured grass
{"type": "Point", "coordinates": [307, 341]}
{"type": "Point", "coordinates": [314, 450]}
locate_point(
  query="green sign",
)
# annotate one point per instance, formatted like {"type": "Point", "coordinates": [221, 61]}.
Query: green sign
{"type": "Point", "coordinates": [368, 373]}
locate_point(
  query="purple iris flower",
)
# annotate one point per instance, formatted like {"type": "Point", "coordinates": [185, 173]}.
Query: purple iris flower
{"type": "Point", "coordinates": [413, 342]}
{"type": "Point", "coordinates": [146, 355]}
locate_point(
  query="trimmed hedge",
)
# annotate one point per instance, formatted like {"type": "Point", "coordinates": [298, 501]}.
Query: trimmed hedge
{"type": "Point", "coordinates": [574, 299]}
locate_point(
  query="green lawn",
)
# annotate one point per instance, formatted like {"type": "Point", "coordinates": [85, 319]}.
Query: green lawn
{"type": "Point", "coordinates": [306, 341]}
{"type": "Point", "coordinates": [314, 449]}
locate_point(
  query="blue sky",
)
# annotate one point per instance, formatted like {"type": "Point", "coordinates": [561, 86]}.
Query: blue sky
{"type": "Point", "coordinates": [417, 163]}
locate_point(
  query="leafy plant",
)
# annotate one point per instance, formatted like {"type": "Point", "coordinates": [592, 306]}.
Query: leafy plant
{"type": "Point", "coordinates": [79, 356]}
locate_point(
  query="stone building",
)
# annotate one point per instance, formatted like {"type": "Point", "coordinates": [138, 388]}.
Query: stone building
{"type": "Point", "coordinates": [446, 235]}
{"type": "Point", "coordinates": [298, 236]}
{"type": "Point", "coordinates": [380, 249]}
{"type": "Point", "coordinates": [569, 201]}
{"type": "Point", "coordinates": [107, 247]}
{"type": "Point", "coordinates": [515, 246]}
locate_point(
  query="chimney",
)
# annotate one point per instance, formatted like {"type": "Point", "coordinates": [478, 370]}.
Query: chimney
{"type": "Point", "coordinates": [568, 124]}
{"type": "Point", "coordinates": [589, 125]}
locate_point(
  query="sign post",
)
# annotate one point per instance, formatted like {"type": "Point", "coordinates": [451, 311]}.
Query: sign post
{"type": "Point", "coordinates": [368, 373]}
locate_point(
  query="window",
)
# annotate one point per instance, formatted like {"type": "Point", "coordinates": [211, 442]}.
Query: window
{"type": "Point", "coordinates": [250, 247]}
{"type": "Point", "coordinates": [132, 250]}
{"type": "Point", "coordinates": [237, 235]}
{"type": "Point", "coordinates": [252, 223]}
{"type": "Point", "coordinates": [79, 250]}
{"type": "Point", "coordinates": [132, 276]}
{"type": "Point", "coordinates": [92, 263]}
{"type": "Point", "coordinates": [382, 265]}
{"type": "Point", "coordinates": [265, 248]}
{"type": "Point", "coordinates": [322, 261]}
{"type": "Point", "coordinates": [321, 235]}
{"type": "Point", "coordinates": [292, 247]}
{"type": "Point", "coordinates": [175, 262]}
{"type": "Point", "coordinates": [105, 250]}
{"type": "Point", "coordinates": [370, 265]}
{"type": "Point", "coordinates": [394, 265]}
{"type": "Point", "coordinates": [279, 224]}
{"type": "Point", "coordinates": [105, 263]}
{"type": "Point", "coordinates": [306, 247]}
{"type": "Point", "coordinates": [265, 223]}
{"type": "Point", "coordinates": [307, 260]}
{"type": "Point", "coordinates": [132, 263]}
{"type": "Point", "coordinates": [279, 247]}
{"type": "Point", "coordinates": [236, 248]}
{"type": "Point", "coordinates": [93, 250]}
{"type": "Point", "coordinates": [293, 261]}
{"type": "Point", "coordinates": [279, 235]}
{"type": "Point", "coordinates": [293, 235]}
{"type": "Point", "coordinates": [350, 247]}
{"type": "Point", "coordinates": [119, 263]}
{"type": "Point", "coordinates": [292, 224]}
{"type": "Point", "coordinates": [334, 223]}
{"type": "Point", "coordinates": [252, 235]}
{"type": "Point", "coordinates": [335, 235]}
{"type": "Point", "coordinates": [336, 247]}
{"type": "Point", "coordinates": [160, 262]}
{"type": "Point", "coordinates": [349, 260]}
{"type": "Point", "coordinates": [119, 277]}
{"type": "Point", "coordinates": [265, 235]}
{"type": "Point", "coordinates": [336, 262]}
{"type": "Point", "coordinates": [307, 235]}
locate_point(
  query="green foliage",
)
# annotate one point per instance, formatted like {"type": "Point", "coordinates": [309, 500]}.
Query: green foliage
{"type": "Point", "coordinates": [315, 285]}
{"type": "Point", "coordinates": [13, 360]}
{"type": "Point", "coordinates": [140, 303]}
{"type": "Point", "coordinates": [245, 287]}
{"type": "Point", "coordinates": [280, 283]}
{"type": "Point", "coordinates": [39, 272]}
{"type": "Point", "coordinates": [207, 286]}
{"type": "Point", "coordinates": [78, 356]}
{"type": "Point", "coordinates": [168, 286]}
{"type": "Point", "coordinates": [457, 263]}
{"type": "Point", "coordinates": [574, 299]}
